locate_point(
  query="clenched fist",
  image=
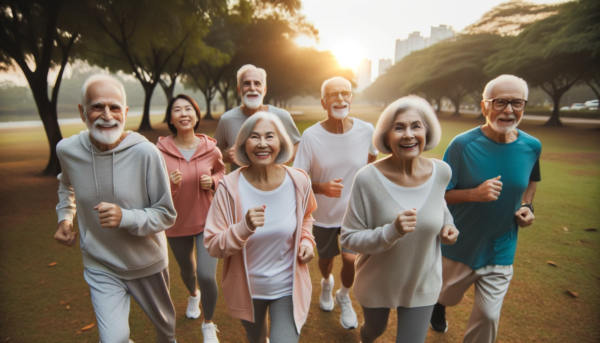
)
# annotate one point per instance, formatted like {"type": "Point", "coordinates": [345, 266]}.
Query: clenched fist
{"type": "Point", "coordinates": [489, 190]}
{"type": "Point", "coordinates": [206, 182]}
{"type": "Point", "coordinates": [306, 254]}
{"type": "Point", "coordinates": [524, 217]}
{"type": "Point", "coordinates": [332, 188]}
{"type": "Point", "coordinates": [109, 214]}
{"type": "Point", "coordinates": [406, 222]}
{"type": "Point", "coordinates": [449, 234]}
{"type": "Point", "coordinates": [64, 235]}
{"type": "Point", "coordinates": [255, 217]}
{"type": "Point", "coordinates": [175, 177]}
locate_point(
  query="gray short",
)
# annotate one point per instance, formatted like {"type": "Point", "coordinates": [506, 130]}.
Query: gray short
{"type": "Point", "coordinates": [328, 241]}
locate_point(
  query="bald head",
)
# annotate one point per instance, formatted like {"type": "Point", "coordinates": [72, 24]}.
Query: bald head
{"type": "Point", "coordinates": [337, 82]}
{"type": "Point", "coordinates": [102, 82]}
{"type": "Point", "coordinates": [503, 83]}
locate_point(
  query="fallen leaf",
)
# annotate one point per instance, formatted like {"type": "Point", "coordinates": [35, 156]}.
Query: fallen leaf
{"type": "Point", "coordinates": [565, 228]}
{"type": "Point", "coordinates": [591, 229]}
{"type": "Point", "coordinates": [75, 321]}
{"type": "Point", "coordinates": [87, 327]}
{"type": "Point", "coordinates": [63, 302]}
{"type": "Point", "coordinates": [68, 307]}
{"type": "Point", "coordinates": [52, 264]}
{"type": "Point", "coordinates": [551, 263]}
{"type": "Point", "coordinates": [573, 294]}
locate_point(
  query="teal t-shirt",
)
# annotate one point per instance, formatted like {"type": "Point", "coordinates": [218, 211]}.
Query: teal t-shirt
{"type": "Point", "coordinates": [488, 231]}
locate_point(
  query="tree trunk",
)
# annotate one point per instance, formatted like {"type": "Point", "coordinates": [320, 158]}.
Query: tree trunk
{"type": "Point", "coordinates": [49, 116]}
{"type": "Point", "coordinates": [145, 124]}
{"type": "Point", "coordinates": [555, 117]}
{"type": "Point", "coordinates": [456, 102]}
{"type": "Point", "coordinates": [438, 101]}
{"type": "Point", "coordinates": [208, 97]}
{"type": "Point", "coordinates": [168, 92]}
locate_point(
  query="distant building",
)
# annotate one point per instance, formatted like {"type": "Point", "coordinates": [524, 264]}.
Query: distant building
{"type": "Point", "coordinates": [363, 75]}
{"type": "Point", "coordinates": [384, 65]}
{"type": "Point", "coordinates": [416, 42]}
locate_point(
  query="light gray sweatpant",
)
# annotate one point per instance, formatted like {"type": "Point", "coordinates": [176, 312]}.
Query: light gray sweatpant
{"type": "Point", "coordinates": [110, 297]}
{"type": "Point", "coordinates": [491, 285]}
{"type": "Point", "coordinates": [201, 267]}
{"type": "Point", "coordinates": [283, 327]}
{"type": "Point", "coordinates": [411, 328]}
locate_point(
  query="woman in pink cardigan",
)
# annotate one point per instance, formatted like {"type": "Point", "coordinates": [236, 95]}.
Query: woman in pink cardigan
{"type": "Point", "coordinates": [260, 223]}
{"type": "Point", "coordinates": [195, 168]}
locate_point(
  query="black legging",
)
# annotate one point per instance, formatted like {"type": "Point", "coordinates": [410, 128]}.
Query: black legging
{"type": "Point", "coordinates": [203, 268]}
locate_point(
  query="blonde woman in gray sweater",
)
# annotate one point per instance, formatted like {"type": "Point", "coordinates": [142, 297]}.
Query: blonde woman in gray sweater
{"type": "Point", "coordinates": [396, 219]}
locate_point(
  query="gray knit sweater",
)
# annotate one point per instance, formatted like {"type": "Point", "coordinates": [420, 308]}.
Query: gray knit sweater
{"type": "Point", "coordinates": [394, 270]}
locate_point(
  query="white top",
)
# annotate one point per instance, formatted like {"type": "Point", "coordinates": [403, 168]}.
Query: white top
{"type": "Point", "coordinates": [187, 154]}
{"type": "Point", "coordinates": [408, 197]}
{"type": "Point", "coordinates": [270, 250]}
{"type": "Point", "coordinates": [326, 156]}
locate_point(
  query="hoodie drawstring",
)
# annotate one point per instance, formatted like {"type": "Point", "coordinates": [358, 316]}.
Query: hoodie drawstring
{"type": "Point", "coordinates": [94, 165]}
{"type": "Point", "coordinates": [197, 178]}
{"type": "Point", "coordinates": [113, 172]}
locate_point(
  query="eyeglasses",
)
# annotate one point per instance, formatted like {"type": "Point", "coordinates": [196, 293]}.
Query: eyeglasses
{"type": "Point", "coordinates": [334, 95]}
{"type": "Point", "coordinates": [501, 104]}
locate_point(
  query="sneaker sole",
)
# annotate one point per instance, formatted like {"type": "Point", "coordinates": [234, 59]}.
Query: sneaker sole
{"type": "Point", "coordinates": [344, 326]}
{"type": "Point", "coordinates": [326, 309]}
{"type": "Point", "coordinates": [436, 330]}
{"type": "Point", "coordinates": [191, 317]}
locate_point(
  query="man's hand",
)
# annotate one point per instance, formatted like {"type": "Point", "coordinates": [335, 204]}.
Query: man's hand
{"type": "Point", "coordinates": [449, 234]}
{"type": "Point", "coordinates": [332, 188]}
{"type": "Point", "coordinates": [206, 182]}
{"type": "Point", "coordinates": [306, 254]}
{"type": "Point", "coordinates": [175, 177]}
{"type": "Point", "coordinates": [524, 217]}
{"type": "Point", "coordinates": [406, 222]}
{"type": "Point", "coordinates": [489, 190]}
{"type": "Point", "coordinates": [64, 235]}
{"type": "Point", "coordinates": [109, 214]}
{"type": "Point", "coordinates": [231, 153]}
{"type": "Point", "coordinates": [255, 217]}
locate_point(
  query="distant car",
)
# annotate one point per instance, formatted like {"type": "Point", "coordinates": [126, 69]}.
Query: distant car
{"type": "Point", "coordinates": [591, 103]}
{"type": "Point", "coordinates": [578, 106]}
{"type": "Point", "coordinates": [565, 108]}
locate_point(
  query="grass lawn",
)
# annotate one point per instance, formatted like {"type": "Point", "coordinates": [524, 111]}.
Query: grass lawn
{"type": "Point", "coordinates": [39, 303]}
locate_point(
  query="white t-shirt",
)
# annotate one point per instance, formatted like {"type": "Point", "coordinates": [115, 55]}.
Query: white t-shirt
{"type": "Point", "coordinates": [187, 154]}
{"type": "Point", "coordinates": [270, 250]}
{"type": "Point", "coordinates": [326, 156]}
{"type": "Point", "coordinates": [408, 197]}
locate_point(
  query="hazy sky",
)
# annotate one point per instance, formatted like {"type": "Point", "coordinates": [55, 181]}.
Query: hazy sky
{"type": "Point", "coordinates": [372, 26]}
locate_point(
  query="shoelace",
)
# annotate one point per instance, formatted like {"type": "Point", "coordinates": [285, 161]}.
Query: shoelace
{"type": "Point", "coordinates": [210, 328]}
{"type": "Point", "coordinates": [345, 304]}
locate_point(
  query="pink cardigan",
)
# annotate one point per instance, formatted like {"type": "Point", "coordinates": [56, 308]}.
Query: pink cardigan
{"type": "Point", "coordinates": [226, 234]}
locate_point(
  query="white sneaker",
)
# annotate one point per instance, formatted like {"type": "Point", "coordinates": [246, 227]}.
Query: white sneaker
{"type": "Point", "coordinates": [326, 299]}
{"type": "Point", "coordinates": [210, 333]}
{"type": "Point", "coordinates": [348, 317]}
{"type": "Point", "coordinates": [193, 309]}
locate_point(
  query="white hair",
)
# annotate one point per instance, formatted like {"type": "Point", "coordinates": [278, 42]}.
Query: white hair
{"type": "Point", "coordinates": [248, 67]}
{"type": "Point", "coordinates": [287, 148]}
{"type": "Point", "coordinates": [328, 81]}
{"type": "Point", "coordinates": [101, 77]}
{"type": "Point", "coordinates": [433, 130]}
{"type": "Point", "coordinates": [487, 91]}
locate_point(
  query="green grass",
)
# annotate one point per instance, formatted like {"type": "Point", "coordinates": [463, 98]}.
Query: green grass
{"type": "Point", "coordinates": [33, 296]}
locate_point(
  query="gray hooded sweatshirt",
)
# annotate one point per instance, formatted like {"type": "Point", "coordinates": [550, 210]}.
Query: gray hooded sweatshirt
{"type": "Point", "coordinates": [133, 176]}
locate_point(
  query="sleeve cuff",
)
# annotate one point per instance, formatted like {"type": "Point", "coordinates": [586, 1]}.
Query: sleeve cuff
{"type": "Point", "coordinates": [127, 219]}
{"type": "Point", "coordinates": [242, 231]}
{"type": "Point", "coordinates": [65, 215]}
{"type": "Point", "coordinates": [307, 242]}
{"type": "Point", "coordinates": [390, 234]}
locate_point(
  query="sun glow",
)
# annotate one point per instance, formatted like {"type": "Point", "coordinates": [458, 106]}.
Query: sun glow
{"type": "Point", "coordinates": [349, 53]}
{"type": "Point", "coordinates": [305, 41]}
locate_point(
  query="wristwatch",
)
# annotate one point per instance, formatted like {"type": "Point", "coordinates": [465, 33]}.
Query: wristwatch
{"type": "Point", "coordinates": [530, 206]}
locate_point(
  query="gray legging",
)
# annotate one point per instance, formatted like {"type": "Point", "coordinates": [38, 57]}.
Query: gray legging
{"type": "Point", "coordinates": [203, 268]}
{"type": "Point", "coordinates": [412, 324]}
{"type": "Point", "coordinates": [283, 327]}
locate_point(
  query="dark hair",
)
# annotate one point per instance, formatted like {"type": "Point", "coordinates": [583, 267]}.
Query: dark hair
{"type": "Point", "coordinates": [170, 108]}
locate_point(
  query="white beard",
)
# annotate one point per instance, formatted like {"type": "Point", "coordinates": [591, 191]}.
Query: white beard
{"type": "Point", "coordinates": [252, 103]}
{"type": "Point", "coordinates": [103, 136]}
{"type": "Point", "coordinates": [503, 129]}
{"type": "Point", "coordinates": [341, 113]}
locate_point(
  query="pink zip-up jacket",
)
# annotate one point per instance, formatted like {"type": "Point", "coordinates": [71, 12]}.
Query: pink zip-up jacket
{"type": "Point", "coordinates": [226, 234]}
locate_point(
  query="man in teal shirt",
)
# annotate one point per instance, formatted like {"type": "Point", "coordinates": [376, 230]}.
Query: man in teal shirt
{"type": "Point", "coordinates": [495, 169]}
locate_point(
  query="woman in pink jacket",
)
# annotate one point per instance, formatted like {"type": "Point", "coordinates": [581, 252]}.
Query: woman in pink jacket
{"type": "Point", "coordinates": [260, 223]}
{"type": "Point", "coordinates": [195, 167]}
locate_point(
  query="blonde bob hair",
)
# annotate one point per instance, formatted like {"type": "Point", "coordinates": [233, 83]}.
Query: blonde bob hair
{"type": "Point", "coordinates": [433, 130]}
{"type": "Point", "coordinates": [286, 147]}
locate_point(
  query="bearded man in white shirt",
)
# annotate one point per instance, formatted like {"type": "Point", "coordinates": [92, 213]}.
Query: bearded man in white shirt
{"type": "Point", "coordinates": [331, 152]}
{"type": "Point", "coordinates": [252, 87]}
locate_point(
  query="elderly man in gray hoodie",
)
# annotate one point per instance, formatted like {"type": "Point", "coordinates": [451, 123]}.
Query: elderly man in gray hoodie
{"type": "Point", "coordinates": [118, 181]}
